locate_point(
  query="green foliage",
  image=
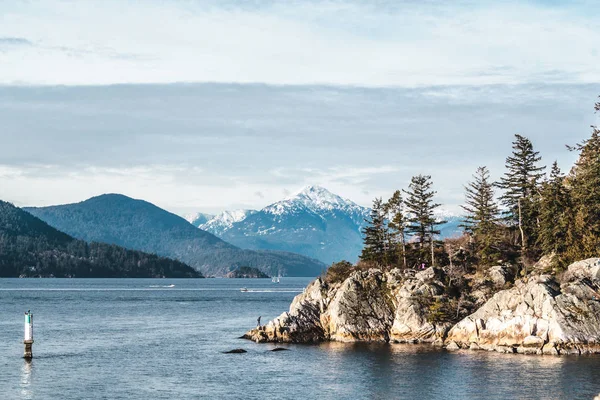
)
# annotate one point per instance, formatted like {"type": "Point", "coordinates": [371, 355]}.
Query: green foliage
{"type": "Point", "coordinates": [481, 219]}
{"type": "Point", "coordinates": [420, 206]}
{"type": "Point", "coordinates": [397, 222]}
{"type": "Point", "coordinates": [339, 272]}
{"type": "Point", "coordinates": [30, 247]}
{"type": "Point", "coordinates": [376, 236]}
{"type": "Point", "coordinates": [555, 214]}
{"type": "Point", "coordinates": [520, 184]}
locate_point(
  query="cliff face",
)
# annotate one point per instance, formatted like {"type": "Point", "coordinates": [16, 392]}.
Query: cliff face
{"type": "Point", "coordinates": [538, 316]}
{"type": "Point", "coordinates": [368, 306]}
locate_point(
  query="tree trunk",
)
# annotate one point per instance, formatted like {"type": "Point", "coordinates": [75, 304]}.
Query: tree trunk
{"type": "Point", "coordinates": [521, 227]}
{"type": "Point", "coordinates": [432, 255]}
{"type": "Point", "coordinates": [522, 236]}
{"type": "Point", "coordinates": [403, 250]}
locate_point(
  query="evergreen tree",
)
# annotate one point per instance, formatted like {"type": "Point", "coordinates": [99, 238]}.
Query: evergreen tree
{"type": "Point", "coordinates": [481, 214]}
{"type": "Point", "coordinates": [584, 232]}
{"type": "Point", "coordinates": [396, 226]}
{"type": "Point", "coordinates": [555, 205]}
{"type": "Point", "coordinates": [480, 206]}
{"type": "Point", "coordinates": [421, 220]}
{"type": "Point", "coordinates": [375, 241]}
{"type": "Point", "coordinates": [520, 184]}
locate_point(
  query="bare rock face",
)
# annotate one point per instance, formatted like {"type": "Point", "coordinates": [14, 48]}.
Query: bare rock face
{"type": "Point", "coordinates": [539, 316]}
{"type": "Point", "coordinates": [489, 281]}
{"type": "Point", "coordinates": [411, 324]}
{"type": "Point", "coordinates": [368, 306]}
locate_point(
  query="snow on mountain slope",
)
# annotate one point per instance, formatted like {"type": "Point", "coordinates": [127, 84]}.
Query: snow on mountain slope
{"type": "Point", "coordinates": [219, 224]}
{"type": "Point", "coordinates": [198, 218]}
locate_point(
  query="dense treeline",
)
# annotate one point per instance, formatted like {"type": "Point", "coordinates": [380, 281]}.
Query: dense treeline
{"type": "Point", "coordinates": [530, 212]}
{"type": "Point", "coordinates": [30, 247]}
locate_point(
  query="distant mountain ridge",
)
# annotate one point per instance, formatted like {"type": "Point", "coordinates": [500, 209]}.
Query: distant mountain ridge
{"type": "Point", "coordinates": [31, 248]}
{"type": "Point", "coordinates": [137, 224]}
{"type": "Point", "coordinates": [314, 222]}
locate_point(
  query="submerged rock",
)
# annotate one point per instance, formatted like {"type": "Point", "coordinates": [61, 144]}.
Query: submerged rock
{"type": "Point", "coordinates": [235, 351]}
{"type": "Point", "coordinates": [539, 316]}
{"type": "Point", "coordinates": [280, 349]}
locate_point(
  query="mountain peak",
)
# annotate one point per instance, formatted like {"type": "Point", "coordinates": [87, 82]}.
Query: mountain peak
{"type": "Point", "coordinates": [314, 198]}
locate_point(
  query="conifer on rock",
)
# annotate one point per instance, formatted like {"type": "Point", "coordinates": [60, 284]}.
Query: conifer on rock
{"type": "Point", "coordinates": [520, 184]}
{"type": "Point", "coordinates": [421, 221]}
{"type": "Point", "coordinates": [481, 213]}
{"type": "Point", "coordinates": [555, 209]}
{"type": "Point", "coordinates": [396, 226]}
{"type": "Point", "coordinates": [375, 241]}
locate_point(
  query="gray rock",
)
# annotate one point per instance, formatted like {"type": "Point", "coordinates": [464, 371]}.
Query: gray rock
{"type": "Point", "coordinates": [537, 312]}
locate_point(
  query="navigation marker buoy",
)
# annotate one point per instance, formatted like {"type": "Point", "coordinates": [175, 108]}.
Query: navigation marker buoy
{"type": "Point", "coordinates": [28, 340]}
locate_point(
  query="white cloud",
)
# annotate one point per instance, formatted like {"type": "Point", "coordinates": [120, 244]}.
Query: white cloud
{"type": "Point", "coordinates": [302, 42]}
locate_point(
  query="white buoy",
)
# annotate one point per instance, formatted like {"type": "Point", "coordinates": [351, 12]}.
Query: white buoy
{"type": "Point", "coordinates": [28, 340]}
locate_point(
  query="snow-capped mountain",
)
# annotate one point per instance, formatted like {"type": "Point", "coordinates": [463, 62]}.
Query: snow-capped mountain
{"type": "Point", "coordinates": [198, 218]}
{"type": "Point", "coordinates": [221, 223]}
{"type": "Point", "coordinates": [312, 222]}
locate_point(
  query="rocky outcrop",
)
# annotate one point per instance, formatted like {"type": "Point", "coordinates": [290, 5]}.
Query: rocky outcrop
{"type": "Point", "coordinates": [539, 316]}
{"type": "Point", "coordinates": [368, 306]}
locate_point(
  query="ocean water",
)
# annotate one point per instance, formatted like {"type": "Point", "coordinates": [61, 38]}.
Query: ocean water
{"type": "Point", "coordinates": [139, 339]}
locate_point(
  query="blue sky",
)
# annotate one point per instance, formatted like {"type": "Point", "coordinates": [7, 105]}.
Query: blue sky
{"type": "Point", "coordinates": [212, 105]}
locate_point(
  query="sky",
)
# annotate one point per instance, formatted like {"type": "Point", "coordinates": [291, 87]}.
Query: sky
{"type": "Point", "coordinates": [215, 105]}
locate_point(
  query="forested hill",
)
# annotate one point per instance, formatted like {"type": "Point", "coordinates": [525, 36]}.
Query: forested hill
{"type": "Point", "coordinates": [30, 247]}
{"type": "Point", "coordinates": [139, 225]}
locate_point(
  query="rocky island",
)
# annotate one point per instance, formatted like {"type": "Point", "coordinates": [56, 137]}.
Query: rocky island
{"type": "Point", "coordinates": [537, 314]}
{"type": "Point", "coordinates": [246, 272]}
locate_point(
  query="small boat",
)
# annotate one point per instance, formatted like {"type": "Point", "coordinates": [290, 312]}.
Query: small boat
{"type": "Point", "coordinates": [243, 289]}
{"type": "Point", "coordinates": [171, 286]}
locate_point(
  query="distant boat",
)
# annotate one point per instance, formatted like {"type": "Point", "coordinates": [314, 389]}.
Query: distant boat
{"type": "Point", "coordinates": [171, 285]}
{"type": "Point", "coordinates": [243, 289]}
{"type": "Point", "coordinates": [275, 279]}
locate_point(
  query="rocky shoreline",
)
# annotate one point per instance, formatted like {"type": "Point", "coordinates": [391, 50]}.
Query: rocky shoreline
{"type": "Point", "coordinates": [540, 314]}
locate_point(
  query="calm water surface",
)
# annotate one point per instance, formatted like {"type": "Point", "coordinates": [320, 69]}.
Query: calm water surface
{"type": "Point", "coordinates": [136, 339]}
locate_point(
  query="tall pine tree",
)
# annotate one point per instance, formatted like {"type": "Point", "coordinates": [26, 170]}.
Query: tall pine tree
{"type": "Point", "coordinates": [375, 235]}
{"type": "Point", "coordinates": [555, 210]}
{"type": "Point", "coordinates": [421, 221]}
{"type": "Point", "coordinates": [396, 228]}
{"type": "Point", "coordinates": [481, 214]}
{"type": "Point", "coordinates": [520, 184]}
